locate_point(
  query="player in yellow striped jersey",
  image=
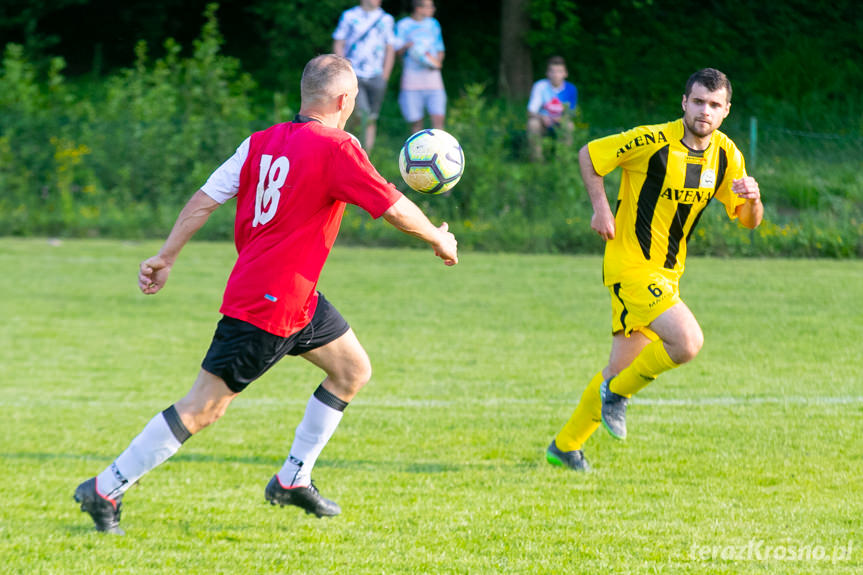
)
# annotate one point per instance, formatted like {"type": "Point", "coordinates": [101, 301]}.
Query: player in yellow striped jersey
{"type": "Point", "coordinates": [670, 173]}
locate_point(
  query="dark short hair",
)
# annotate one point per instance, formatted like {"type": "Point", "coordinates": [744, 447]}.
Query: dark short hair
{"type": "Point", "coordinates": [417, 3]}
{"type": "Point", "coordinates": [710, 78]}
{"type": "Point", "coordinates": [556, 61]}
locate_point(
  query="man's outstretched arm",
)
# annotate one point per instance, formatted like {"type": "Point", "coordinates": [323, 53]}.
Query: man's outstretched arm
{"type": "Point", "coordinates": [602, 221]}
{"type": "Point", "coordinates": [406, 216]}
{"type": "Point", "coordinates": [154, 270]}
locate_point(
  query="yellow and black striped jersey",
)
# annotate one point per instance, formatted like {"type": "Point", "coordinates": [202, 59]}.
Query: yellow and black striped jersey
{"type": "Point", "coordinates": [664, 188]}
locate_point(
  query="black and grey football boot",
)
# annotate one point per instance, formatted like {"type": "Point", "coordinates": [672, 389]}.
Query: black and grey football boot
{"type": "Point", "coordinates": [613, 411]}
{"type": "Point", "coordinates": [572, 459]}
{"type": "Point", "coordinates": [105, 512]}
{"type": "Point", "coordinates": [306, 498]}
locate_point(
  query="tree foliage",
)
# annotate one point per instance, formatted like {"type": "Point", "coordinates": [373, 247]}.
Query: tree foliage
{"type": "Point", "coordinates": [294, 32]}
{"type": "Point", "coordinates": [789, 58]}
{"type": "Point", "coordinates": [116, 150]}
{"type": "Point", "coordinates": [123, 156]}
{"type": "Point", "coordinates": [555, 30]}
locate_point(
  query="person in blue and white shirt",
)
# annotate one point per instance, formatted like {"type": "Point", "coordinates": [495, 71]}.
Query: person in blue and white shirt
{"type": "Point", "coordinates": [419, 38]}
{"type": "Point", "coordinates": [550, 108]}
{"type": "Point", "coordinates": [365, 36]}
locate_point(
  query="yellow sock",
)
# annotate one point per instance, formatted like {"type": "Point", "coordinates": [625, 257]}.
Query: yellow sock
{"type": "Point", "coordinates": [652, 361]}
{"type": "Point", "coordinates": [584, 420]}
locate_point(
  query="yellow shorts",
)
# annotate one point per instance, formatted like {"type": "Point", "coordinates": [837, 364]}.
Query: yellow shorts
{"type": "Point", "coordinates": [637, 301]}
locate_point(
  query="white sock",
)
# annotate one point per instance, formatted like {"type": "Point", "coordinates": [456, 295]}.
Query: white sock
{"type": "Point", "coordinates": [159, 440]}
{"type": "Point", "coordinates": [323, 414]}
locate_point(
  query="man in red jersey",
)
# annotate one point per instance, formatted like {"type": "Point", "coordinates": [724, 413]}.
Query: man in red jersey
{"type": "Point", "coordinates": [292, 182]}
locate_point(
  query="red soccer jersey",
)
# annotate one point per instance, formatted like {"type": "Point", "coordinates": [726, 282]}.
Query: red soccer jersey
{"type": "Point", "coordinates": [293, 187]}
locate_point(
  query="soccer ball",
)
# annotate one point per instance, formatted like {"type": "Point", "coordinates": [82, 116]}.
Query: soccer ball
{"type": "Point", "coordinates": [431, 161]}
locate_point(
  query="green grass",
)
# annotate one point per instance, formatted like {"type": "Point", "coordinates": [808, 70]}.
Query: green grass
{"type": "Point", "coordinates": [438, 464]}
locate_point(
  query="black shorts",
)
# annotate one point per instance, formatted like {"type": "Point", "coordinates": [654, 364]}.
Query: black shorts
{"type": "Point", "coordinates": [240, 352]}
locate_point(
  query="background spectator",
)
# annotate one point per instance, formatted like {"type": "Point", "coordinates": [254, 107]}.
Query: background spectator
{"type": "Point", "coordinates": [365, 36]}
{"type": "Point", "coordinates": [552, 102]}
{"type": "Point", "coordinates": [422, 90]}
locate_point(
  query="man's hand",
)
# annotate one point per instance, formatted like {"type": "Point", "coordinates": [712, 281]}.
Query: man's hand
{"type": "Point", "coordinates": [446, 248]}
{"type": "Point", "coordinates": [746, 188]}
{"type": "Point", "coordinates": [751, 212]}
{"type": "Point", "coordinates": [602, 222]}
{"type": "Point", "coordinates": [153, 274]}
{"type": "Point", "coordinates": [406, 216]}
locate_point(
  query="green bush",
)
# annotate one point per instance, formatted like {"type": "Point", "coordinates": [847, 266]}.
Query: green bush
{"type": "Point", "coordinates": [122, 159]}
{"type": "Point", "coordinates": [119, 158]}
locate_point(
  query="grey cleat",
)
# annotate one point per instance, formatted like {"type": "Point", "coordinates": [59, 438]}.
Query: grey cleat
{"type": "Point", "coordinates": [572, 459]}
{"type": "Point", "coordinates": [105, 512]}
{"type": "Point", "coordinates": [613, 411]}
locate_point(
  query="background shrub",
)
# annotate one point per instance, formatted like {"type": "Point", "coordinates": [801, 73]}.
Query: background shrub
{"type": "Point", "coordinates": [118, 156]}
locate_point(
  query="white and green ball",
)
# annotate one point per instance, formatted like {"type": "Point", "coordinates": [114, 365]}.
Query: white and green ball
{"type": "Point", "coordinates": [431, 161]}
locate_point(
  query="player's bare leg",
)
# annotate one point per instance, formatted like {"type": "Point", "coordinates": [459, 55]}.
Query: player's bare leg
{"type": "Point", "coordinates": [348, 369]}
{"type": "Point", "coordinates": [623, 351]}
{"type": "Point", "coordinates": [679, 331]}
{"type": "Point", "coordinates": [680, 340]}
{"type": "Point", "coordinates": [205, 402]}
{"type": "Point", "coordinates": [346, 364]}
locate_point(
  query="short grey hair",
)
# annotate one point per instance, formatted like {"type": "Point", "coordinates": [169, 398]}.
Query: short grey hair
{"type": "Point", "coordinates": [325, 76]}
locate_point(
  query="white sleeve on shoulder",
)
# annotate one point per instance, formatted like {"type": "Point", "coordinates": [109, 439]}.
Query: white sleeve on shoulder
{"type": "Point", "coordinates": [224, 183]}
{"type": "Point", "coordinates": [535, 103]}
{"type": "Point", "coordinates": [342, 28]}
{"type": "Point", "coordinates": [391, 33]}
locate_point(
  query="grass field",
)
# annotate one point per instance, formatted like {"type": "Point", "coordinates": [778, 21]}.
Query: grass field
{"type": "Point", "coordinates": [748, 460]}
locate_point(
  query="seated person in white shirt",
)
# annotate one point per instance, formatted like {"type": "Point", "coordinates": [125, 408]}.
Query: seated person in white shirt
{"type": "Point", "coordinates": [550, 108]}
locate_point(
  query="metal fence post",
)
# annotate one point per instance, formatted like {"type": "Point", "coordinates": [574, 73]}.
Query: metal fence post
{"type": "Point", "coordinates": [753, 142]}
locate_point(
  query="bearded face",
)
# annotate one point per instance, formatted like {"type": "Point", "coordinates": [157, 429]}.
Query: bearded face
{"type": "Point", "coordinates": [703, 110]}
